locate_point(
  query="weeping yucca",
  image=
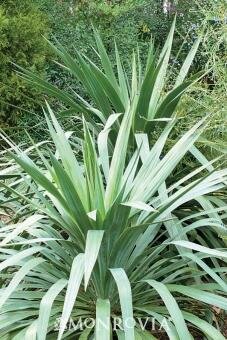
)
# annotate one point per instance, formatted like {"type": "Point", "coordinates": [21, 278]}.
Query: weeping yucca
{"type": "Point", "coordinates": [107, 235]}
{"type": "Point", "coordinates": [101, 228]}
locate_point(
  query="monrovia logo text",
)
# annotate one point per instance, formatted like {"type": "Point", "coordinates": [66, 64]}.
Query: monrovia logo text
{"type": "Point", "coordinates": [148, 323]}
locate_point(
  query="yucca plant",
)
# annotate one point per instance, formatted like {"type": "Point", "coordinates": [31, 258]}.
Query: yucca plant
{"type": "Point", "coordinates": [107, 93]}
{"type": "Point", "coordinates": [107, 236]}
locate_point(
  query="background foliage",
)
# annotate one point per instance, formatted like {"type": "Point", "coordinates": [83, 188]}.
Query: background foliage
{"type": "Point", "coordinates": [131, 23]}
{"type": "Point", "coordinates": [21, 42]}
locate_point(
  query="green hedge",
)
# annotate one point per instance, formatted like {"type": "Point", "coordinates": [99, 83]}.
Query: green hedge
{"type": "Point", "coordinates": [21, 28]}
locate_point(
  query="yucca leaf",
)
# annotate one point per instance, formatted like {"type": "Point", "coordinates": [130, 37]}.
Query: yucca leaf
{"type": "Point", "coordinates": [29, 166]}
{"type": "Point", "coordinates": [81, 70]}
{"type": "Point", "coordinates": [209, 271]}
{"type": "Point", "coordinates": [121, 78]}
{"type": "Point", "coordinates": [19, 276]}
{"type": "Point", "coordinates": [75, 279]}
{"type": "Point", "coordinates": [194, 246]}
{"type": "Point", "coordinates": [15, 317]}
{"type": "Point", "coordinates": [149, 178]}
{"type": "Point", "coordinates": [85, 335]}
{"type": "Point", "coordinates": [143, 335]}
{"type": "Point", "coordinates": [125, 294]}
{"type": "Point", "coordinates": [52, 90]}
{"type": "Point", "coordinates": [201, 158]}
{"type": "Point", "coordinates": [120, 335]}
{"type": "Point", "coordinates": [95, 89]}
{"type": "Point", "coordinates": [204, 326]}
{"type": "Point", "coordinates": [151, 160]}
{"type": "Point", "coordinates": [95, 186]}
{"type": "Point", "coordinates": [106, 63]}
{"type": "Point", "coordinates": [74, 204]}
{"type": "Point", "coordinates": [103, 144]}
{"type": "Point", "coordinates": [108, 88]}
{"type": "Point", "coordinates": [187, 63]}
{"type": "Point", "coordinates": [139, 205]}
{"type": "Point", "coordinates": [68, 158]}
{"type": "Point", "coordinates": [146, 92]}
{"type": "Point", "coordinates": [31, 332]}
{"type": "Point", "coordinates": [163, 321]}
{"type": "Point", "coordinates": [143, 145]}
{"type": "Point", "coordinates": [93, 244]}
{"type": "Point", "coordinates": [20, 227]}
{"type": "Point", "coordinates": [200, 295]}
{"type": "Point", "coordinates": [134, 82]}
{"type": "Point", "coordinates": [172, 307]}
{"type": "Point", "coordinates": [103, 330]}
{"type": "Point", "coordinates": [169, 103]}
{"type": "Point", "coordinates": [118, 159]}
{"type": "Point", "coordinates": [159, 83]}
{"type": "Point", "coordinates": [45, 307]}
{"type": "Point", "coordinates": [20, 256]}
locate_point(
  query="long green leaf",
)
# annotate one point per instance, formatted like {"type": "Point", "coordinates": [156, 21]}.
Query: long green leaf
{"type": "Point", "coordinates": [102, 329]}
{"type": "Point", "coordinates": [93, 244]}
{"type": "Point", "coordinates": [172, 307]}
{"type": "Point", "coordinates": [200, 295]}
{"type": "Point", "coordinates": [19, 276]}
{"type": "Point", "coordinates": [75, 279]}
{"type": "Point", "coordinates": [45, 307]}
{"type": "Point", "coordinates": [187, 63]}
{"type": "Point", "coordinates": [125, 294]}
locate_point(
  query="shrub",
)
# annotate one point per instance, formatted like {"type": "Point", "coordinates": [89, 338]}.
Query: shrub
{"type": "Point", "coordinates": [199, 104]}
{"type": "Point", "coordinates": [114, 234]}
{"type": "Point", "coordinates": [21, 27]}
{"type": "Point", "coordinates": [106, 225]}
{"type": "Point", "coordinates": [132, 23]}
{"type": "Point", "coordinates": [109, 92]}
